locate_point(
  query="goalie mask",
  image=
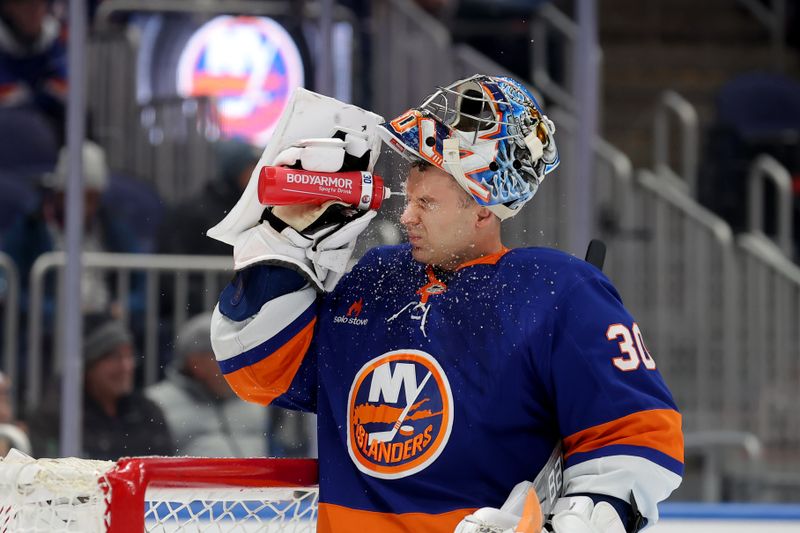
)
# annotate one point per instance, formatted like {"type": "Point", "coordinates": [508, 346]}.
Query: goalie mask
{"type": "Point", "coordinates": [488, 132]}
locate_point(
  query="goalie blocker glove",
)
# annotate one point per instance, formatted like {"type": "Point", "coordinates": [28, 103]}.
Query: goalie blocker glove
{"type": "Point", "coordinates": [320, 254]}
{"type": "Point", "coordinates": [346, 150]}
{"type": "Point", "coordinates": [316, 241]}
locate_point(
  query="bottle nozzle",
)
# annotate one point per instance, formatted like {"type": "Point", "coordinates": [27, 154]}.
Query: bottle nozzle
{"type": "Point", "coordinates": [388, 193]}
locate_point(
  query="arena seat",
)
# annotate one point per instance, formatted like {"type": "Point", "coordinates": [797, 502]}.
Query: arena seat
{"type": "Point", "coordinates": [760, 106]}
{"type": "Point", "coordinates": [29, 141]}
{"type": "Point", "coordinates": [138, 204]}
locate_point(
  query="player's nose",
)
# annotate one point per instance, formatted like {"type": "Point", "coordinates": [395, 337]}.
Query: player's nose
{"type": "Point", "coordinates": [409, 215]}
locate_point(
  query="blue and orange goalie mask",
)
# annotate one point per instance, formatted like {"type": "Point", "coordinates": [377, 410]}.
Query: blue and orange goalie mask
{"type": "Point", "coordinates": [488, 132]}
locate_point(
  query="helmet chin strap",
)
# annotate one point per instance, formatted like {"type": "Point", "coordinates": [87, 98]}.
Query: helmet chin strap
{"type": "Point", "coordinates": [452, 164]}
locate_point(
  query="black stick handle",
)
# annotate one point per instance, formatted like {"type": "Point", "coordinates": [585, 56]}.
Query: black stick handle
{"type": "Point", "coordinates": [596, 253]}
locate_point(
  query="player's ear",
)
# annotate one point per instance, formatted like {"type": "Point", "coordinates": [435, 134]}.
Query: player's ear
{"type": "Point", "coordinates": [484, 217]}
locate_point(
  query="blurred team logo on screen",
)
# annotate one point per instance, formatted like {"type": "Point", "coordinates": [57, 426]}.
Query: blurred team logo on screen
{"type": "Point", "coordinates": [400, 414]}
{"type": "Point", "coordinates": [249, 65]}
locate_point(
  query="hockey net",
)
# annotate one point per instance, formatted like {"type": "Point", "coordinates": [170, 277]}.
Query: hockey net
{"type": "Point", "coordinates": [157, 494]}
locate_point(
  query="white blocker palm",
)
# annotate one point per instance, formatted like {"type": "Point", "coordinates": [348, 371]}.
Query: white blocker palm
{"type": "Point", "coordinates": [315, 240]}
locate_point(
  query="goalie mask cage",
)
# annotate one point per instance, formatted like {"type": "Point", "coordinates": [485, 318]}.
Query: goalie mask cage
{"type": "Point", "coordinates": [157, 494]}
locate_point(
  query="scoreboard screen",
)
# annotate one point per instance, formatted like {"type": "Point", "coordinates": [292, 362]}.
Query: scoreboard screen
{"type": "Point", "coordinates": [248, 65]}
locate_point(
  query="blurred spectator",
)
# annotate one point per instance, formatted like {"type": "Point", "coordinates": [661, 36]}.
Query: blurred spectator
{"type": "Point", "coordinates": [12, 434]}
{"type": "Point", "coordinates": [184, 228]}
{"type": "Point", "coordinates": [136, 205]}
{"type": "Point", "coordinates": [33, 59]}
{"type": "Point", "coordinates": [42, 230]}
{"type": "Point", "coordinates": [203, 414]}
{"type": "Point", "coordinates": [117, 420]}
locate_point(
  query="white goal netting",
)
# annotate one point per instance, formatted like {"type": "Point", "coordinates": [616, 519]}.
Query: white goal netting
{"type": "Point", "coordinates": [157, 494]}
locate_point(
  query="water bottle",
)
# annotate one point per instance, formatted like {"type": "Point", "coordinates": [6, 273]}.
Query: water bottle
{"type": "Point", "coordinates": [289, 186]}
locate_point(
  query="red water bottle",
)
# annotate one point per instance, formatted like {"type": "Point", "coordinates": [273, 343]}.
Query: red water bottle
{"type": "Point", "coordinates": [289, 186]}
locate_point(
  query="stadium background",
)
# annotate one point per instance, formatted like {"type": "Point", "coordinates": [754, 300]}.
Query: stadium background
{"type": "Point", "coordinates": [679, 126]}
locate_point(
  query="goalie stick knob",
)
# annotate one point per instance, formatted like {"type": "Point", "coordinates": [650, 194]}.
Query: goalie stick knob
{"type": "Point", "coordinates": [596, 253]}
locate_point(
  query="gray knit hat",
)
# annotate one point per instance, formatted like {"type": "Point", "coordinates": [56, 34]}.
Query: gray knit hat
{"type": "Point", "coordinates": [95, 169]}
{"type": "Point", "coordinates": [101, 336]}
{"type": "Point", "coordinates": [193, 337]}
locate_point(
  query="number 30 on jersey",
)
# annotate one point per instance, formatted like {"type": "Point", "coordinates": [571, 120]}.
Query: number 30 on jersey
{"type": "Point", "coordinates": [632, 347]}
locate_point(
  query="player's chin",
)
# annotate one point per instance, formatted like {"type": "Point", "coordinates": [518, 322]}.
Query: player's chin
{"type": "Point", "coordinates": [420, 254]}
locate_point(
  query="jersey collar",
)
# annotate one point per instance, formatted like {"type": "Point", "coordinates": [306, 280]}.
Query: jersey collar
{"type": "Point", "coordinates": [490, 259]}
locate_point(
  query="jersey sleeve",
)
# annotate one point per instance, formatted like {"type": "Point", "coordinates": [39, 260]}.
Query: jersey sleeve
{"type": "Point", "coordinates": [262, 333]}
{"type": "Point", "coordinates": [620, 427]}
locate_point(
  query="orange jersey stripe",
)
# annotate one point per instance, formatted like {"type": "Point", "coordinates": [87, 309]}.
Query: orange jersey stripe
{"type": "Point", "coordinates": [337, 519]}
{"type": "Point", "coordinates": [490, 259]}
{"type": "Point", "coordinates": [659, 429]}
{"type": "Point", "coordinates": [267, 379]}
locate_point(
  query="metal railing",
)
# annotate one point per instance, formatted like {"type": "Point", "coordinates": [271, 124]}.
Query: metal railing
{"type": "Point", "coordinates": [212, 271]}
{"type": "Point", "coordinates": [670, 102]}
{"type": "Point", "coordinates": [722, 315]}
{"type": "Point", "coordinates": [712, 446]}
{"type": "Point", "coordinates": [165, 142]}
{"type": "Point", "coordinates": [549, 24]}
{"type": "Point", "coordinates": [692, 315]}
{"type": "Point", "coordinates": [771, 370]}
{"type": "Point", "coordinates": [545, 222]}
{"type": "Point", "coordinates": [765, 167]}
{"type": "Point", "coordinates": [673, 263]}
{"type": "Point", "coordinates": [678, 269]}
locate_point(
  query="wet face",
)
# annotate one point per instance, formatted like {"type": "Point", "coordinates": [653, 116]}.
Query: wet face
{"type": "Point", "coordinates": [111, 377]}
{"type": "Point", "coordinates": [442, 221]}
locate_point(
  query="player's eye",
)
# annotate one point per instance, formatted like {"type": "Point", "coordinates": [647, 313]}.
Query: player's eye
{"type": "Point", "coordinates": [426, 204]}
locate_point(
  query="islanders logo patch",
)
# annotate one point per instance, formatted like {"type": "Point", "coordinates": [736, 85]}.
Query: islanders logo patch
{"type": "Point", "coordinates": [400, 414]}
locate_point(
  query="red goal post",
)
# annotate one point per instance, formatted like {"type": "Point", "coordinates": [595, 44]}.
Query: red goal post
{"type": "Point", "coordinates": [157, 494]}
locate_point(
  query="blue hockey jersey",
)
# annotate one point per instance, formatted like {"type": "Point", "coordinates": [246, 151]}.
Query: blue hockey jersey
{"type": "Point", "coordinates": [437, 392]}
